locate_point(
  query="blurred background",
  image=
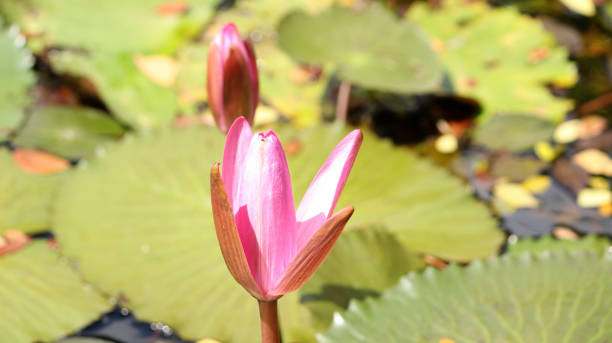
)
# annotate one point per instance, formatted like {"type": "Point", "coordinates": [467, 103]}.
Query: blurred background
{"type": "Point", "coordinates": [486, 134]}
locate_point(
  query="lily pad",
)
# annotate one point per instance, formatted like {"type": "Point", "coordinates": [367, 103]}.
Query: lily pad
{"type": "Point", "coordinates": [109, 26]}
{"type": "Point", "coordinates": [25, 200]}
{"type": "Point", "coordinates": [428, 210]}
{"type": "Point", "coordinates": [499, 57]}
{"type": "Point", "coordinates": [72, 132]}
{"type": "Point", "coordinates": [17, 78]}
{"type": "Point", "coordinates": [549, 298]}
{"type": "Point", "coordinates": [363, 263]}
{"type": "Point", "coordinates": [42, 298]}
{"type": "Point", "coordinates": [371, 48]}
{"type": "Point", "coordinates": [146, 203]}
{"type": "Point", "coordinates": [591, 243]}
{"type": "Point", "coordinates": [130, 95]}
{"type": "Point", "coordinates": [513, 132]}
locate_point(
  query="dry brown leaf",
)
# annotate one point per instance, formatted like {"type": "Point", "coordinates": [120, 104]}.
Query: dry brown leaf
{"type": "Point", "coordinates": [161, 69]}
{"type": "Point", "coordinates": [591, 126]}
{"type": "Point", "coordinates": [594, 161]}
{"type": "Point", "coordinates": [38, 162]}
{"type": "Point", "coordinates": [565, 233]}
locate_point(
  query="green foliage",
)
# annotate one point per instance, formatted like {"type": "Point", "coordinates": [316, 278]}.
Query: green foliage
{"type": "Point", "coordinates": [543, 244]}
{"type": "Point", "coordinates": [513, 132]}
{"type": "Point", "coordinates": [25, 199]}
{"type": "Point", "coordinates": [498, 56]}
{"type": "Point", "coordinates": [42, 298]}
{"type": "Point", "coordinates": [72, 132]}
{"type": "Point", "coordinates": [17, 78]}
{"type": "Point", "coordinates": [426, 208]}
{"type": "Point", "coordinates": [131, 96]}
{"type": "Point", "coordinates": [150, 199]}
{"type": "Point", "coordinates": [372, 48]}
{"type": "Point", "coordinates": [109, 26]}
{"type": "Point", "coordinates": [363, 263]}
{"type": "Point", "coordinates": [550, 298]}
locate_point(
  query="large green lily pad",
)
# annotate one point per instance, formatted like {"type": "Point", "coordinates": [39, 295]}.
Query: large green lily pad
{"type": "Point", "coordinates": [499, 57]}
{"type": "Point", "coordinates": [42, 298]}
{"type": "Point", "coordinates": [146, 203]}
{"type": "Point", "coordinates": [109, 26]}
{"type": "Point", "coordinates": [130, 95]}
{"type": "Point", "coordinates": [429, 210]}
{"type": "Point", "coordinates": [363, 263]}
{"type": "Point", "coordinates": [550, 298]}
{"type": "Point", "coordinates": [25, 200]}
{"type": "Point", "coordinates": [17, 78]}
{"type": "Point", "coordinates": [371, 48]}
{"type": "Point", "coordinates": [72, 132]}
{"type": "Point", "coordinates": [513, 132]}
{"type": "Point", "coordinates": [543, 244]}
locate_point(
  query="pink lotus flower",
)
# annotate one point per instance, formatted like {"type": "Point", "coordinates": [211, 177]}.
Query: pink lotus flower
{"type": "Point", "coordinates": [269, 247]}
{"type": "Point", "coordinates": [232, 84]}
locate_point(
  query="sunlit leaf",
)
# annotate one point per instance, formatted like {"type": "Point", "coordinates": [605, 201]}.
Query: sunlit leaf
{"type": "Point", "coordinates": [550, 298]}
{"type": "Point", "coordinates": [68, 131]}
{"type": "Point", "coordinates": [42, 298]}
{"type": "Point", "coordinates": [550, 244]}
{"type": "Point", "coordinates": [146, 203]}
{"type": "Point", "coordinates": [16, 78]}
{"type": "Point", "coordinates": [26, 198]}
{"type": "Point", "coordinates": [501, 58]}
{"type": "Point", "coordinates": [371, 48]}
{"type": "Point", "coordinates": [136, 25]}
{"type": "Point", "coordinates": [130, 95]}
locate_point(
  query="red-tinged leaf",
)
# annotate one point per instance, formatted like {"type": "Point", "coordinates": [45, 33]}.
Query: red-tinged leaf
{"type": "Point", "coordinates": [13, 240]}
{"type": "Point", "coordinates": [38, 162]}
{"type": "Point", "coordinates": [172, 7]}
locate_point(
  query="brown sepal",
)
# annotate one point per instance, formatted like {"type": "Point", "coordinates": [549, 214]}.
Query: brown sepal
{"type": "Point", "coordinates": [314, 253]}
{"type": "Point", "coordinates": [227, 234]}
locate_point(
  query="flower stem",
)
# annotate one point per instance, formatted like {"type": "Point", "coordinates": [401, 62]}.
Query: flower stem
{"type": "Point", "coordinates": [268, 317]}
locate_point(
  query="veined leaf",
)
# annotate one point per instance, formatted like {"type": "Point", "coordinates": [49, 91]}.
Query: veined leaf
{"type": "Point", "coordinates": [42, 298]}
{"type": "Point", "coordinates": [549, 298]}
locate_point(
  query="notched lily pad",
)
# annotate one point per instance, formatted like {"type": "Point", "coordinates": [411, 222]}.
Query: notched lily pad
{"type": "Point", "coordinates": [554, 297]}
{"type": "Point", "coordinates": [72, 132]}
{"type": "Point", "coordinates": [17, 78]}
{"type": "Point", "coordinates": [364, 47]}
{"type": "Point", "coordinates": [25, 200]}
{"type": "Point", "coordinates": [42, 298]}
{"type": "Point", "coordinates": [499, 57]}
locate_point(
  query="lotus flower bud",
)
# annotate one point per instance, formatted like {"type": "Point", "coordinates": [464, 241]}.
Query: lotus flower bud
{"type": "Point", "coordinates": [233, 85]}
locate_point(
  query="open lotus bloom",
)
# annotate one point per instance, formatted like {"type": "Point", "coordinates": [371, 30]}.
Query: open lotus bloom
{"type": "Point", "coordinates": [232, 81]}
{"type": "Point", "coordinates": [269, 247]}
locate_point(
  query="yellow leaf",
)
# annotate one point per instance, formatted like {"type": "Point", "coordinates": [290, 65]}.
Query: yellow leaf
{"type": "Point", "coordinates": [583, 7]}
{"type": "Point", "coordinates": [161, 69]}
{"type": "Point", "coordinates": [594, 161]}
{"type": "Point", "coordinates": [593, 197]}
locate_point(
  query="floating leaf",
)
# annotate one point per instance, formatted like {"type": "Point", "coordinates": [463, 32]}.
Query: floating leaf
{"type": "Point", "coordinates": [371, 255]}
{"type": "Point", "coordinates": [42, 298]}
{"type": "Point", "coordinates": [550, 298]}
{"type": "Point", "coordinates": [513, 132]}
{"type": "Point", "coordinates": [499, 57]}
{"type": "Point", "coordinates": [150, 199]}
{"type": "Point", "coordinates": [594, 161]}
{"type": "Point", "coordinates": [365, 47]}
{"type": "Point", "coordinates": [136, 25]}
{"type": "Point", "coordinates": [583, 7]}
{"type": "Point", "coordinates": [591, 243]}
{"type": "Point", "coordinates": [131, 96]}
{"type": "Point", "coordinates": [17, 78]}
{"type": "Point", "coordinates": [429, 210]}
{"type": "Point", "coordinates": [25, 199]}
{"type": "Point", "coordinates": [72, 132]}
{"type": "Point", "coordinates": [38, 162]}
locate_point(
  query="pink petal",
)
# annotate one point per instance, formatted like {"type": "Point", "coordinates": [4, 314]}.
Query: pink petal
{"type": "Point", "coordinates": [312, 255]}
{"type": "Point", "coordinates": [265, 215]}
{"type": "Point", "coordinates": [214, 82]}
{"type": "Point", "coordinates": [254, 75]}
{"type": "Point", "coordinates": [321, 197]}
{"type": "Point", "coordinates": [236, 146]}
